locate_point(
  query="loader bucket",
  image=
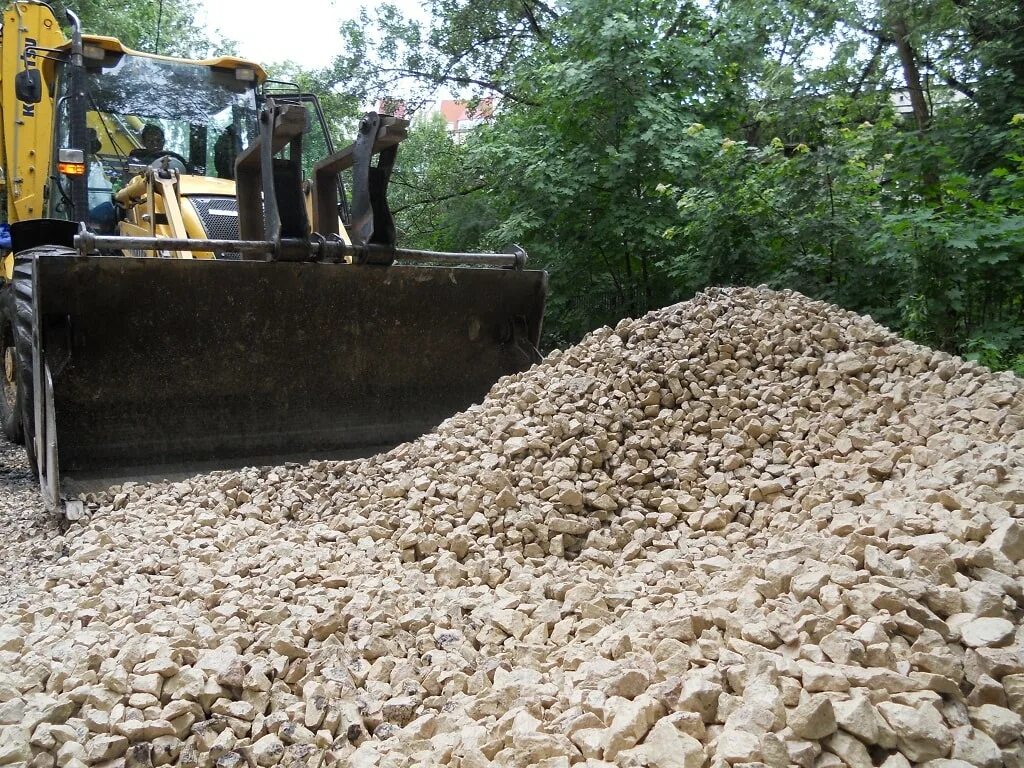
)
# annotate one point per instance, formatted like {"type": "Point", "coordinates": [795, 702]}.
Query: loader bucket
{"type": "Point", "coordinates": [161, 367]}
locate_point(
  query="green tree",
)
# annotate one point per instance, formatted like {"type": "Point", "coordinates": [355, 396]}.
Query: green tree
{"type": "Point", "coordinates": [435, 191]}
{"type": "Point", "coordinates": [607, 122]}
{"type": "Point", "coordinates": [864, 152]}
{"type": "Point", "coordinates": [473, 46]}
{"type": "Point", "coordinates": [166, 27]}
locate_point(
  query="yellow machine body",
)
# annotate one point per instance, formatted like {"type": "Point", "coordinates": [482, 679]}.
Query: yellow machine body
{"type": "Point", "coordinates": [27, 131]}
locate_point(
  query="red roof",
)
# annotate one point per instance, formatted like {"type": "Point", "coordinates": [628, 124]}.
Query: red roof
{"type": "Point", "coordinates": [453, 111]}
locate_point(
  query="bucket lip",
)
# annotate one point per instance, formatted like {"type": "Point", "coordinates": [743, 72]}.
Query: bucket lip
{"type": "Point", "coordinates": [276, 264]}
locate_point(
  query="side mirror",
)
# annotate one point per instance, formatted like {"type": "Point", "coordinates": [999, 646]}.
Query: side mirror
{"type": "Point", "coordinates": [28, 86]}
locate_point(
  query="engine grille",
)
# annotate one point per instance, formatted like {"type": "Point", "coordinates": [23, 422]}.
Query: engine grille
{"type": "Point", "coordinates": [219, 216]}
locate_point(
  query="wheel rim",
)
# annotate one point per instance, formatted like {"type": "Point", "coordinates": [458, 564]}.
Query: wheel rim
{"type": "Point", "coordinates": [10, 385]}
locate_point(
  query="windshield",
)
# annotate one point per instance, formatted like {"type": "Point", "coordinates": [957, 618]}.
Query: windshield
{"type": "Point", "coordinates": [140, 109]}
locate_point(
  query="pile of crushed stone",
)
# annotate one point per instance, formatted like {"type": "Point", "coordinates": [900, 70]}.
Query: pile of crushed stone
{"type": "Point", "coordinates": [30, 537]}
{"type": "Point", "coordinates": [750, 528]}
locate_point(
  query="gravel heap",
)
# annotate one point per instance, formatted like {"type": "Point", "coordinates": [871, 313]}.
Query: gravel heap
{"type": "Point", "coordinates": [747, 529]}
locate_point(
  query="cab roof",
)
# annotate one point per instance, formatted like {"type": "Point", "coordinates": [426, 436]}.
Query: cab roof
{"type": "Point", "coordinates": [113, 45]}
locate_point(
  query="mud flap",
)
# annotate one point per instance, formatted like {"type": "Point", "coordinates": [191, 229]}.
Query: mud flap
{"type": "Point", "coordinates": [160, 367]}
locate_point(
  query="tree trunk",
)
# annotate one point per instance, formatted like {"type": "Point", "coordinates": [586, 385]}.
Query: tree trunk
{"type": "Point", "coordinates": [911, 74]}
{"type": "Point", "coordinates": [918, 102]}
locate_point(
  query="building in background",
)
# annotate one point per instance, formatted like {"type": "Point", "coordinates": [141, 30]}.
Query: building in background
{"type": "Point", "coordinates": [460, 117]}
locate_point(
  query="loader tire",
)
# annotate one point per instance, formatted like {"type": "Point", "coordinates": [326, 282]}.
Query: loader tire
{"type": "Point", "coordinates": [10, 391]}
{"type": "Point", "coordinates": [24, 329]}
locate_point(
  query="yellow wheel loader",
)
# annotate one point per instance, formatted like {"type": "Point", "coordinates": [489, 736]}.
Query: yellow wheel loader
{"type": "Point", "coordinates": [186, 288]}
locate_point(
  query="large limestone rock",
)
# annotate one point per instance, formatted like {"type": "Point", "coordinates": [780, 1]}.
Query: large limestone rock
{"type": "Point", "coordinates": [813, 719]}
{"type": "Point", "coordinates": [921, 734]}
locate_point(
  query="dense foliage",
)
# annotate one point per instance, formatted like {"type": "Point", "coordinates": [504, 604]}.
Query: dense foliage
{"type": "Point", "coordinates": [869, 153]}
{"type": "Point", "coordinates": [168, 27]}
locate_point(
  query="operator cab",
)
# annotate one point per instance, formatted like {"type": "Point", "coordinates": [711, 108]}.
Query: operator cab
{"type": "Point", "coordinates": [192, 117]}
{"type": "Point", "coordinates": [160, 141]}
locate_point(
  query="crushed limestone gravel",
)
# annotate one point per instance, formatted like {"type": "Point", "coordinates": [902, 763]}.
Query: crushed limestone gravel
{"type": "Point", "coordinates": [30, 538]}
{"type": "Point", "coordinates": [750, 529]}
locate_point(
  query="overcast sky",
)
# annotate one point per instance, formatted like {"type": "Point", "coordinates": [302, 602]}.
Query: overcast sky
{"type": "Point", "coordinates": [304, 31]}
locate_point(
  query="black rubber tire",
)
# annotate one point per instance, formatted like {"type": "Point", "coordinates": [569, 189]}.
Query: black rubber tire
{"type": "Point", "coordinates": [24, 263]}
{"type": "Point", "coordinates": [10, 391]}
{"type": "Point", "coordinates": [23, 330]}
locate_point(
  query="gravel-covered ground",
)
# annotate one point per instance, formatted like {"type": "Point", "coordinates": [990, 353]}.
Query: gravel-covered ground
{"type": "Point", "coordinates": [29, 536]}
{"type": "Point", "coordinates": [747, 530]}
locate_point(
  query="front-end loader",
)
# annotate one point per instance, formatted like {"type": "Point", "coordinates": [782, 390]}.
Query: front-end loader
{"type": "Point", "coordinates": [188, 289]}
